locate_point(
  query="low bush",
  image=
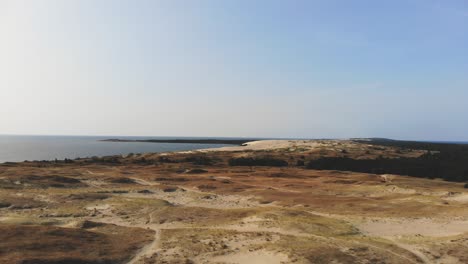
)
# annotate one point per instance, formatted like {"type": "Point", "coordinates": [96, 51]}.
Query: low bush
{"type": "Point", "coordinates": [260, 161]}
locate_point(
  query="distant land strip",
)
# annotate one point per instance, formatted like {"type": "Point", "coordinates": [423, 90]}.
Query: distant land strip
{"type": "Point", "coordinates": [190, 141]}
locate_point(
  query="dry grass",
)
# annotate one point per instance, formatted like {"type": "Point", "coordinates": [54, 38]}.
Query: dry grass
{"type": "Point", "coordinates": [48, 244]}
{"type": "Point", "coordinates": [222, 213]}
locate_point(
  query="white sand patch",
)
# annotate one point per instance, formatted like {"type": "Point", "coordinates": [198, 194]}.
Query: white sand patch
{"type": "Point", "coordinates": [462, 197]}
{"type": "Point", "coordinates": [144, 182]}
{"type": "Point", "coordinates": [272, 144]}
{"type": "Point", "coordinates": [98, 207]}
{"type": "Point", "coordinates": [390, 227]}
{"type": "Point", "coordinates": [255, 257]}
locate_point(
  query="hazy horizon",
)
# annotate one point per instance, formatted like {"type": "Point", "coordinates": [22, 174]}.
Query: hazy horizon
{"type": "Point", "coordinates": [254, 69]}
{"type": "Point", "coordinates": [220, 137]}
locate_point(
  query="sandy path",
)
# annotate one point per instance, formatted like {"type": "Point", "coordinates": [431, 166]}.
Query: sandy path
{"type": "Point", "coordinates": [153, 247]}
{"type": "Point", "coordinates": [248, 226]}
{"type": "Point", "coordinates": [413, 250]}
{"type": "Point", "coordinates": [148, 250]}
{"type": "Point", "coordinates": [144, 182]}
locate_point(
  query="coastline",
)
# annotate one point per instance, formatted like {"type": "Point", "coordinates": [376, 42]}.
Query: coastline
{"type": "Point", "coordinates": [185, 141]}
{"type": "Point", "coordinates": [35, 148]}
{"type": "Point", "coordinates": [222, 205]}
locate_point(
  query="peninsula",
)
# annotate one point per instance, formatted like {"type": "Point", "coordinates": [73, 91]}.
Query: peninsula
{"type": "Point", "coordinates": [185, 140]}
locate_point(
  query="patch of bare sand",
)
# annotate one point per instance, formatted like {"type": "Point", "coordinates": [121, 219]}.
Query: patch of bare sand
{"type": "Point", "coordinates": [414, 250]}
{"type": "Point", "coordinates": [254, 257]}
{"type": "Point", "coordinates": [448, 260]}
{"type": "Point", "coordinates": [98, 207]}
{"type": "Point", "coordinates": [460, 197]}
{"type": "Point", "coordinates": [393, 227]}
{"type": "Point", "coordinates": [270, 145]}
{"type": "Point", "coordinates": [193, 198]}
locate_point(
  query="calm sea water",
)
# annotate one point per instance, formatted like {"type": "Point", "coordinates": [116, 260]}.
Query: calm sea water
{"type": "Point", "coordinates": [20, 148]}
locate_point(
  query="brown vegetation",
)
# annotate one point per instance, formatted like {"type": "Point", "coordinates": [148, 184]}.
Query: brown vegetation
{"type": "Point", "coordinates": [181, 211]}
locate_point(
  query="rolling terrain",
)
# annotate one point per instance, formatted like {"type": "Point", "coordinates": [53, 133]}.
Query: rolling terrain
{"type": "Point", "coordinates": [258, 203]}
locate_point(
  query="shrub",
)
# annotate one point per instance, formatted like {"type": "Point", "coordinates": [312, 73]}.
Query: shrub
{"type": "Point", "coordinates": [196, 171]}
{"type": "Point", "coordinates": [200, 160]}
{"type": "Point", "coordinates": [262, 161]}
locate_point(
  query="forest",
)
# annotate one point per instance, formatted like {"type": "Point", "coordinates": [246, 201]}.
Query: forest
{"type": "Point", "coordinates": [448, 161]}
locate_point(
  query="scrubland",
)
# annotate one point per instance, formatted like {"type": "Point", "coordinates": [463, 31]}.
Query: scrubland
{"type": "Point", "coordinates": [221, 206]}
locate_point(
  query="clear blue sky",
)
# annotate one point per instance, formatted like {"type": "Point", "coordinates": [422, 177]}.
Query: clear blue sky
{"type": "Point", "coordinates": [311, 69]}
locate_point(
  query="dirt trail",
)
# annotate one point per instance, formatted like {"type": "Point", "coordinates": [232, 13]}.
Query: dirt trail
{"type": "Point", "coordinates": [413, 250]}
{"type": "Point", "coordinates": [152, 248]}
{"type": "Point", "coordinates": [238, 214]}
{"type": "Point", "coordinates": [144, 182]}
{"type": "Point", "coordinates": [249, 226]}
{"type": "Point", "coordinates": [148, 250]}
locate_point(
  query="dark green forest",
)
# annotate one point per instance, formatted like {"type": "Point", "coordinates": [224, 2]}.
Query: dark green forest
{"type": "Point", "coordinates": [442, 160]}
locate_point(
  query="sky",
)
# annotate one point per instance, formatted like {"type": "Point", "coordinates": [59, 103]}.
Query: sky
{"type": "Point", "coordinates": [235, 68]}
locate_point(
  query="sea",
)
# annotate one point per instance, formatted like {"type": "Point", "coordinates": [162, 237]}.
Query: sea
{"type": "Point", "coordinates": [16, 148]}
